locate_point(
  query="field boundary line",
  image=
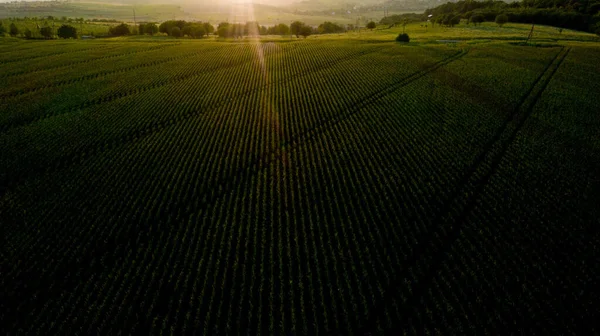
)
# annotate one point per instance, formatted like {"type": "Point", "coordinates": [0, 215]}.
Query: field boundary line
{"type": "Point", "coordinates": [89, 60]}
{"type": "Point", "coordinates": [92, 76]}
{"type": "Point", "coordinates": [441, 238]}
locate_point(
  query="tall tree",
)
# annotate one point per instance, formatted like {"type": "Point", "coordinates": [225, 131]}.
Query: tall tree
{"type": "Point", "coordinates": [66, 31]}
{"type": "Point", "coordinates": [13, 30]}
{"type": "Point", "coordinates": [501, 19]}
{"type": "Point", "coordinates": [305, 31]}
{"type": "Point", "coordinates": [46, 32]}
{"type": "Point", "coordinates": [296, 27]}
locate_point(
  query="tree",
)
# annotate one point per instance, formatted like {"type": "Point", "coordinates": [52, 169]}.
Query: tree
{"type": "Point", "coordinates": [142, 29]}
{"type": "Point", "coordinates": [13, 30]}
{"type": "Point", "coordinates": [120, 30]}
{"type": "Point", "coordinates": [371, 25]}
{"type": "Point", "coordinates": [46, 32]}
{"type": "Point", "coordinates": [330, 28]}
{"type": "Point", "coordinates": [2, 30]}
{"type": "Point", "coordinates": [280, 29]}
{"type": "Point", "coordinates": [28, 33]}
{"type": "Point", "coordinates": [477, 18]}
{"type": "Point", "coordinates": [403, 38]}
{"type": "Point", "coordinates": [187, 30]}
{"type": "Point", "coordinates": [150, 28]}
{"type": "Point", "coordinates": [66, 31]}
{"type": "Point", "coordinates": [167, 26]}
{"type": "Point", "coordinates": [223, 31]}
{"type": "Point", "coordinates": [501, 19]}
{"type": "Point", "coordinates": [176, 32]}
{"type": "Point", "coordinates": [198, 31]}
{"type": "Point", "coordinates": [454, 20]}
{"type": "Point", "coordinates": [296, 27]}
{"type": "Point", "coordinates": [305, 31]}
{"type": "Point", "coordinates": [208, 28]}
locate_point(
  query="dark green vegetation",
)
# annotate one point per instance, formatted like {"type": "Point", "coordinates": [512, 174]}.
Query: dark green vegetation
{"type": "Point", "coordinates": [66, 31]}
{"type": "Point", "coordinates": [288, 188]}
{"type": "Point", "coordinates": [581, 15]}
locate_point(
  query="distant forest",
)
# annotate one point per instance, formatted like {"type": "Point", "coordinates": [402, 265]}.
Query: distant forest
{"type": "Point", "coordinates": [583, 15]}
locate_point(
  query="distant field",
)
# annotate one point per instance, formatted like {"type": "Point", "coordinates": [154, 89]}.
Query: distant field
{"type": "Point", "coordinates": [339, 184]}
{"type": "Point", "coordinates": [213, 12]}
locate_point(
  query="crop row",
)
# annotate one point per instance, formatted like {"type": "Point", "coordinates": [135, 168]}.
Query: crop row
{"type": "Point", "coordinates": [10, 58]}
{"type": "Point", "coordinates": [131, 125]}
{"type": "Point", "coordinates": [107, 68]}
{"type": "Point", "coordinates": [184, 232]}
{"type": "Point", "coordinates": [108, 54]}
{"type": "Point", "coordinates": [273, 290]}
{"type": "Point", "coordinates": [446, 234]}
{"type": "Point", "coordinates": [108, 88]}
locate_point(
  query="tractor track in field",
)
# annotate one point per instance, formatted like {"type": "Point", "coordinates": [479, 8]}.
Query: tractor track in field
{"type": "Point", "coordinates": [440, 240]}
{"type": "Point", "coordinates": [89, 60]}
{"type": "Point", "coordinates": [244, 175]}
{"type": "Point", "coordinates": [135, 135]}
{"type": "Point", "coordinates": [275, 154]}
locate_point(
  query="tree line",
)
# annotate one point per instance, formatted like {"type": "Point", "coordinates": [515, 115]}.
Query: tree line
{"type": "Point", "coordinates": [583, 15]}
{"type": "Point", "coordinates": [182, 28]}
{"type": "Point", "coordinates": [47, 32]}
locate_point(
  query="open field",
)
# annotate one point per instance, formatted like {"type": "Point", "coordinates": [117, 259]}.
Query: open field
{"type": "Point", "coordinates": [342, 184]}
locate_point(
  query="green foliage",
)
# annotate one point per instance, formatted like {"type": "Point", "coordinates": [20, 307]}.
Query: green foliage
{"type": "Point", "coordinates": [501, 19]}
{"type": "Point", "coordinates": [13, 30]}
{"type": "Point", "coordinates": [202, 186]}
{"type": "Point", "coordinates": [120, 30]}
{"type": "Point", "coordinates": [371, 25]}
{"type": "Point", "coordinates": [47, 32]}
{"type": "Point", "coordinates": [167, 26]}
{"type": "Point", "coordinates": [400, 18]}
{"type": "Point", "coordinates": [296, 28]}
{"type": "Point", "coordinates": [330, 28]}
{"type": "Point", "coordinates": [559, 13]}
{"type": "Point", "coordinates": [2, 30]}
{"type": "Point", "coordinates": [279, 29]}
{"type": "Point", "coordinates": [176, 32]}
{"type": "Point", "coordinates": [403, 38]}
{"type": "Point", "coordinates": [66, 31]}
{"type": "Point", "coordinates": [208, 28]}
{"type": "Point", "coordinates": [235, 30]}
{"type": "Point", "coordinates": [149, 28]}
{"type": "Point", "coordinates": [477, 19]}
{"type": "Point", "coordinates": [186, 28]}
{"type": "Point", "coordinates": [306, 31]}
{"type": "Point", "coordinates": [28, 34]}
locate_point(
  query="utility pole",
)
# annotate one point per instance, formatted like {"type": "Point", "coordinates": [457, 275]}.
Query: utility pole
{"type": "Point", "coordinates": [530, 33]}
